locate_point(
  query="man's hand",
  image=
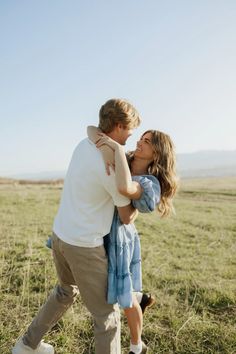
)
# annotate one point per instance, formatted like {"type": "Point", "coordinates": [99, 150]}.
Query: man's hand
{"type": "Point", "coordinates": [127, 214]}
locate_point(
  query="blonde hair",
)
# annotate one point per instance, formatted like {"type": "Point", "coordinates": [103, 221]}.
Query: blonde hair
{"type": "Point", "coordinates": [118, 111]}
{"type": "Point", "coordinates": [163, 167]}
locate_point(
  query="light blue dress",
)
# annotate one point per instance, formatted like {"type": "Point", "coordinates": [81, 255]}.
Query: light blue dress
{"type": "Point", "coordinates": [123, 247]}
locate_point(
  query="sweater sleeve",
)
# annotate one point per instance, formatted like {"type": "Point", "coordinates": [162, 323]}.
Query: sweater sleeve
{"type": "Point", "coordinates": [151, 194]}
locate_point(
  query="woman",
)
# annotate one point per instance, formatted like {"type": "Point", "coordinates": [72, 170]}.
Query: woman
{"type": "Point", "coordinates": [147, 176]}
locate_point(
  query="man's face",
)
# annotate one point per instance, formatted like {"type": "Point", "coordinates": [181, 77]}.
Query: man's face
{"type": "Point", "coordinates": [123, 134]}
{"type": "Point", "coordinates": [120, 133]}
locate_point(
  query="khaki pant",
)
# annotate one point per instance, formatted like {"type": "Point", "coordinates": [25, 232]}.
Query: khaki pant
{"type": "Point", "coordinates": [81, 270]}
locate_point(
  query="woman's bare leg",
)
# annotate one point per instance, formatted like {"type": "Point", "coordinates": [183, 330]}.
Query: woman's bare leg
{"type": "Point", "coordinates": [135, 321]}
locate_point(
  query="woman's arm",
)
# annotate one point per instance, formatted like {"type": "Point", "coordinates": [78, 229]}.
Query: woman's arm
{"type": "Point", "coordinates": [125, 185]}
{"type": "Point", "coordinates": [93, 132]}
{"type": "Point", "coordinates": [107, 152]}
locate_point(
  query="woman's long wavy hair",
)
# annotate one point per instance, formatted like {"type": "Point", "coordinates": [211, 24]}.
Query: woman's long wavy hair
{"type": "Point", "coordinates": [163, 167]}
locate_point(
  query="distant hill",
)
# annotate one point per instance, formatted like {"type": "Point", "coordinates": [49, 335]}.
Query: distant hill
{"type": "Point", "coordinates": [41, 176]}
{"type": "Point", "coordinates": [198, 164]}
{"type": "Point", "coordinates": [4, 180]}
{"type": "Point", "coordinates": [207, 164]}
{"type": "Point", "coordinates": [16, 182]}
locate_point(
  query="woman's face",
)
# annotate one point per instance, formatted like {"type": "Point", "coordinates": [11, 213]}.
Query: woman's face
{"type": "Point", "coordinates": [144, 148]}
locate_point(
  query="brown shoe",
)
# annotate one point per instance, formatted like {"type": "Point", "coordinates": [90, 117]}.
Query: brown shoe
{"type": "Point", "coordinates": [144, 349]}
{"type": "Point", "coordinates": [146, 301]}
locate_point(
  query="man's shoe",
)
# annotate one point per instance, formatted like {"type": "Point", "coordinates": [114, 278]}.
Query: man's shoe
{"type": "Point", "coordinates": [146, 301]}
{"type": "Point", "coordinates": [144, 349]}
{"type": "Point", "coordinates": [42, 348]}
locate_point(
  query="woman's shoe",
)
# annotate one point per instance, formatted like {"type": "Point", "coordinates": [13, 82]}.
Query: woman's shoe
{"type": "Point", "coordinates": [146, 301]}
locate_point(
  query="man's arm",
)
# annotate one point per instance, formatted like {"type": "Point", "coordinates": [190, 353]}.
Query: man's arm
{"type": "Point", "coordinates": [127, 214]}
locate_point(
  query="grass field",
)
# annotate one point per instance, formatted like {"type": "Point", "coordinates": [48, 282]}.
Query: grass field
{"type": "Point", "coordinates": [189, 264]}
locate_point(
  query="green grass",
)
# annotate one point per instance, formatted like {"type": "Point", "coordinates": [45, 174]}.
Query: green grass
{"type": "Point", "coordinates": [189, 264]}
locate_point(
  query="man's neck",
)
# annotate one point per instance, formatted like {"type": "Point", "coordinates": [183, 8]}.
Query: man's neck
{"type": "Point", "coordinates": [139, 167]}
{"type": "Point", "coordinates": [112, 135]}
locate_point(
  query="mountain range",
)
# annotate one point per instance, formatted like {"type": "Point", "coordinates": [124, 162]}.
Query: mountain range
{"type": "Point", "coordinates": [210, 163]}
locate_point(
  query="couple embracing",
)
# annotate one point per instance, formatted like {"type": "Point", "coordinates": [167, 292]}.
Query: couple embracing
{"type": "Point", "coordinates": [95, 245]}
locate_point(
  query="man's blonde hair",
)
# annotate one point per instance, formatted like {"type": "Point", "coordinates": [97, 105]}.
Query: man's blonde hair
{"type": "Point", "coordinates": [118, 111]}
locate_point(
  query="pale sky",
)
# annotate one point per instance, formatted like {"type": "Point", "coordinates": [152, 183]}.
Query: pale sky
{"type": "Point", "coordinates": [175, 60]}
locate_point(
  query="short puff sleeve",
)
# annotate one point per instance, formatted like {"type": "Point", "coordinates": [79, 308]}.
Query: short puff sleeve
{"type": "Point", "coordinates": [151, 193]}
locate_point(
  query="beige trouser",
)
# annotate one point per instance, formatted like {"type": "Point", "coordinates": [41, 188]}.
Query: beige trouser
{"type": "Point", "coordinates": [81, 270]}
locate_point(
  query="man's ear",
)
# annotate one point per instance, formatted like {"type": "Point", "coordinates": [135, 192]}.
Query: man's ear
{"type": "Point", "coordinates": [120, 126]}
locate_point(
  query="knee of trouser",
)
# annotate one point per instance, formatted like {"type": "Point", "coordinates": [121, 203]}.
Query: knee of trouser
{"type": "Point", "coordinates": [107, 321]}
{"type": "Point", "coordinates": [66, 294]}
{"type": "Point", "coordinates": [116, 318]}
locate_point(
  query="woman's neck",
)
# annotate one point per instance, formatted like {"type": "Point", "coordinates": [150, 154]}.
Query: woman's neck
{"type": "Point", "coordinates": [139, 166]}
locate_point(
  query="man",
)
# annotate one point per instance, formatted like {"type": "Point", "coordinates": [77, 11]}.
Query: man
{"type": "Point", "coordinates": [83, 219]}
